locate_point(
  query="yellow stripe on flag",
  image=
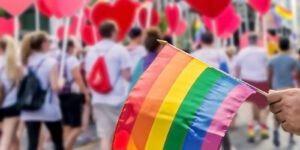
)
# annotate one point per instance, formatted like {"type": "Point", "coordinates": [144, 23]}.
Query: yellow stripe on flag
{"type": "Point", "coordinates": [283, 12]}
{"type": "Point", "coordinates": [171, 104]}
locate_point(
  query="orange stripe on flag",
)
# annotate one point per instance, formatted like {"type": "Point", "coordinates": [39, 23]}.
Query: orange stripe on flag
{"type": "Point", "coordinates": [154, 100]}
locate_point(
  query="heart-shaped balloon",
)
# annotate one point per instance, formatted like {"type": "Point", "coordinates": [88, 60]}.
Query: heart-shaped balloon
{"type": "Point", "coordinates": [15, 7]}
{"type": "Point", "coordinates": [43, 8]}
{"type": "Point", "coordinates": [72, 29]}
{"type": "Point", "coordinates": [226, 23]}
{"type": "Point", "coordinates": [122, 12]}
{"type": "Point", "coordinates": [143, 15]}
{"type": "Point", "coordinates": [89, 34]}
{"type": "Point", "coordinates": [6, 26]}
{"type": "Point", "coordinates": [209, 8]}
{"type": "Point", "coordinates": [181, 28]}
{"type": "Point", "coordinates": [64, 8]}
{"type": "Point", "coordinates": [262, 6]}
{"type": "Point", "coordinates": [173, 16]}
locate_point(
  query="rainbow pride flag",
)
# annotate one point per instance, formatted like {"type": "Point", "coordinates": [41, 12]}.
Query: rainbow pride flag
{"type": "Point", "coordinates": [179, 103]}
{"type": "Point", "coordinates": [283, 12]}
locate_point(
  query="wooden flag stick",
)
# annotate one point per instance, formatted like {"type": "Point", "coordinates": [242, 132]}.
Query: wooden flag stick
{"type": "Point", "coordinates": [37, 17]}
{"type": "Point", "coordinates": [16, 28]}
{"type": "Point", "coordinates": [64, 45]}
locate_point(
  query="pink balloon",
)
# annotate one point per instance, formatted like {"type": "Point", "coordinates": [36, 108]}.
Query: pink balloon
{"type": "Point", "coordinates": [6, 26]}
{"type": "Point", "coordinates": [64, 8]}
{"type": "Point", "coordinates": [181, 28]}
{"type": "Point", "coordinates": [226, 24]}
{"type": "Point", "coordinates": [15, 7]}
{"type": "Point", "coordinates": [173, 16]}
{"type": "Point", "coordinates": [262, 6]}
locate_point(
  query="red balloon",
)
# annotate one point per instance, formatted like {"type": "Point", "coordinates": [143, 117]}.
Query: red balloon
{"type": "Point", "coordinates": [89, 34]}
{"type": "Point", "coordinates": [209, 8]}
{"type": "Point", "coordinates": [143, 15]}
{"type": "Point", "coordinates": [173, 16]}
{"type": "Point", "coordinates": [7, 26]}
{"type": "Point", "coordinates": [262, 6]}
{"type": "Point", "coordinates": [111, 11]}
{"type": "Point", "coordinates": [181, 28]}
{"type": "Point", "coordinates": [226, 23]}
{"type": "Point", "coordinates": [15, 7]}
{"type": "Point", "coordinates": [72, 29]}
{"type": "Point", "coordinates": [87, 12]}
{"type": "Point", "coordinates": [52, 6]}
{"type": "Point", "coordinates": [43, 8]}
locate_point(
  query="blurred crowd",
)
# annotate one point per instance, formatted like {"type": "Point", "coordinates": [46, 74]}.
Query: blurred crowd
{"type": "Point", "coordinates": [82, 85]}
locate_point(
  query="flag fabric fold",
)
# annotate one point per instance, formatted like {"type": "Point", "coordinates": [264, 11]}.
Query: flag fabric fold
{"type": "Point", "coordinates": [179, 103]}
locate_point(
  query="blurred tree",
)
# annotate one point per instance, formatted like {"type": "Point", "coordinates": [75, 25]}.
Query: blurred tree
{"type": "Point", "coordinates": [2, 13]}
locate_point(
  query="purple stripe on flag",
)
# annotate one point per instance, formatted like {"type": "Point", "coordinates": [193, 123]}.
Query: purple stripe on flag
{"type": "Point", "coordinates": [224, 115]}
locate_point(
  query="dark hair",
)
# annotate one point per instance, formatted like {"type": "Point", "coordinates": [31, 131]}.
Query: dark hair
{"type": "Point", "coordinates": [253, 39]}
{"type": "Point", "coordinates": [107, 29]}
{"type": "Point", "coordinates": [32, 42]}
{"type": "Point", "coordinates": [151, 43]}
{"type": "Point", "coordinates": [135, 33]}
{"type": "Point", "coordinates": [37, 41]}
{"type": "Point", "coordinates": [284, 44]}
{"type": "Point", "coordinates": [207, 38]}
{"type": "Point", "coordinates": [2, 44]}
{"type": "Point", "coordinates": [168, 38]}
{"type": "Point", "coordinates": [272, 32]}
{"type": "Point", "coordinates": [70, 44]}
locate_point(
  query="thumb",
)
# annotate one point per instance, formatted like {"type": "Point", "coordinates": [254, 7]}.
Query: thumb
{"type": "Point", "coordinates": [275, 96]}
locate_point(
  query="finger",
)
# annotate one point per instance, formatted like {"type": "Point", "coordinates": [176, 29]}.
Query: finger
{"type": "Point", "coordinates": [276, 107]}
{"type": "Point", "coordinates": [275, 96]}
{"type": "Point", "coordinates": [280, 117]}
{"type": "Point", "coordinates": [286, 127]}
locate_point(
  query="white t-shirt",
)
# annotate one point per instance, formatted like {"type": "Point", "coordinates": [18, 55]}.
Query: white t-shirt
{"type": "Point", "coordinates": [136, 54]}
{"type": "Point", "coordinates": [50, 111]}
{"type": "Point", "coordinates": [211, 56]}
{"type": "Point", "coordinates": [71, 63]}
{"type": "Point", "coordinates": [117, 59]}
{"type": "Point", "coordinates": [253, 63]}
{"type": "Point", "coordinates": [10, 88]}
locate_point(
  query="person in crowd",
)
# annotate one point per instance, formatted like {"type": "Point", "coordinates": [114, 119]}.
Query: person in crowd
{"type": "Point", "coordinates": [73, 95]}
{"type": "Point", "coordinates": [281, 70]}
{"type": "Point", "coordinates": [168, 38]}
{"type": "Point", "coordinates": [231, 52]}
{"type": "Point", "coordinates": [34, 54]}
{"type": "Point", "coordinates": [251, 66]}
{"type": "Point", "coordinates": [10, 76]}
{"type": "Point", "coordinates": [211, 55]}
{"type": "Point", "coordinates": [216, 58]}
{"type": "Point", "coordinates": [152, 47]}
{"type": "Point", "coordinates": [273, 48]}
{"type": "Point", "coordinates": [114, 61]}
{"type": "Point", "coordinates": [136, 49]}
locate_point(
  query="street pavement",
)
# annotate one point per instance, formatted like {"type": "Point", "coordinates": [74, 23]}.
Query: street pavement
{"type": "Point", "coordinates": [238, 137]}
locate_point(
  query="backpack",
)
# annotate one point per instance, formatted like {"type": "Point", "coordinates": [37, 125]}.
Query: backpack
{"type": "Point", "coordinates": [31, 96]}
{"type": "Point", "coordinates": [98, 78]}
